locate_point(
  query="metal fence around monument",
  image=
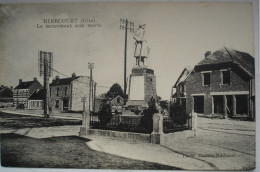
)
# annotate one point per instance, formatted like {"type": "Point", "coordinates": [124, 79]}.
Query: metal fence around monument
{"type": "Point", "coordinates": [176, 123]}
{"type": "Point", "coordinates": [121, 123]}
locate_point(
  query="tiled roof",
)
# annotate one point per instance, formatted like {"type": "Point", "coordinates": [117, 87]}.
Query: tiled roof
{"type": "Point", "coordinates": [24, 85]}
{"type": "Point", "coordinates": [63, 81]}
{"type": "Point", "coordinates": [37, 95]}
{"type": "Point", "coordinates": [242, 59]}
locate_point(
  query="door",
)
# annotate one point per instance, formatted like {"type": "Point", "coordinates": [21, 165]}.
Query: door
{"type": "Point", "coordinates": [65, 104]}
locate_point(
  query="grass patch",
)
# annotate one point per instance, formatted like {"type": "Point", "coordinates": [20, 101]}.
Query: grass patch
{"type": "Point", "coordinates": [12, 121]}
{"type": "Point", "coordinates": [63, 152]}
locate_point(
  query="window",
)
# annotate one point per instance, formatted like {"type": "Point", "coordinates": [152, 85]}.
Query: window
{"type": "Point", "coordinates": [66, 90]}
{"type": "Point", "coordinates": [182, 88]}
{"type": "Point", "coordinates": [225, 77]}
{"type": "Point", "coordinates": [206, 79]}
{"type": "Point", "coordinates": [118, 100]}
{"type": "Point", "coordinates": [57, 104]}
{"type": "Point", "coordinates": [58, 90]}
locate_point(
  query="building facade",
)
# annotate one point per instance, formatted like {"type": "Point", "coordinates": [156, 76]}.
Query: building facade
{"type": "Point", "coordinates": [223, 84]}
{"type": "Point", "coordinates": [66, 94]}
{"type": "Point", "coordinates": [22, 91]}
{"type": "Point", "coordinates": [35, 101]}
{"type": "Point", "coordinates": [179, 96]}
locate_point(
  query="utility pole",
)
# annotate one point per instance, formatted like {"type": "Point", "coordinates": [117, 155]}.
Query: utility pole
{"type": "Point", "coordinates": [124, 26]}
{"type": "Point", "coordinates": [90, 66]}
{"type": "Point", "coordinates": [94, 97]}
{"type": "Point", "coordinates": [47, 59]}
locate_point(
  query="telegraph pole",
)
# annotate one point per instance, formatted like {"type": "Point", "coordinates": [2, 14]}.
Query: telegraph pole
{"type": "Point", "coordinates": [94, 97]}
{"type": "Point", "coordinates": [124, 26]}
{"type": "Point", "coordinates": [47, 59]}
{"type": "Point", "coordinates": [90, 66]}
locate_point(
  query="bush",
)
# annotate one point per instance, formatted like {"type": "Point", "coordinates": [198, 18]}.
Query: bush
{"type": "Point", "coordinates": [105, 114]}
{"type": "Point", "coordinates": [147, 119]}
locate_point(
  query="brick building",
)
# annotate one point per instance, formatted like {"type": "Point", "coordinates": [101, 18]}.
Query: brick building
{"type": "Point", "coordinates": [66, 93]}
{"type": "Point", "coordinates": [223, 84]}
{"type": "Point", "coordinates": [24, 90]}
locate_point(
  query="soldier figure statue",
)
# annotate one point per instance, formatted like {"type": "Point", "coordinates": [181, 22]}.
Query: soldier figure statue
{"type": "Point", "coordinates": [141, 48]}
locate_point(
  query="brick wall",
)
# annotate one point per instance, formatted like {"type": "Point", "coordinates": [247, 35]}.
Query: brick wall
{"type": "Point", "coordinates": [194, 86]}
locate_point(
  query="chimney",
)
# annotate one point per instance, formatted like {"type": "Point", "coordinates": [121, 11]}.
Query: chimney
{"type": "Point", "coordinates": [73, 75]}
{"type": "Point", "coordinates": [34, 79]}
{"type": "Point", "coordinates": [11, 88]}
{"type": "Point", "coordinates": [20, 81]}
{"type": "Point", "coordinates": [207, 54]}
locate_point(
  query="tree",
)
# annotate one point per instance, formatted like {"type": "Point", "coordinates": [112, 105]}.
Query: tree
{"type": "Point", "coordinates": [105, 114]}
{"type": "Point", "coordinates": [115, 90]}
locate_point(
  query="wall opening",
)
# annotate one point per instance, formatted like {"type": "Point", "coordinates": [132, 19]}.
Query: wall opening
{"type": "Point", "coordinates": [218, 104]}
{"type": "Point", "coordinates": [199, 104]}
{"type": "Point", "coordinates": [241, 103]}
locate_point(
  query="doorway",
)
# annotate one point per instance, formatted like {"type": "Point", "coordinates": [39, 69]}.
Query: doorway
{"type": "Point", "coordinates": [198, 104]}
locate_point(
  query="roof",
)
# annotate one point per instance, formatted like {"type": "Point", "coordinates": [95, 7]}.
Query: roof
{"type": "Point", "coordinates": [63, 81]}
{"type": "Point", "coordinates": [6, 92]}
{"type": "Point", "coordinates": [115, 97]}
{"type": "Point", "coordinates": [24, 85]}
{"type": "Point", "coordinates": [37, 95]}
{"type": "Point", "coordinates": [184, 74]}
{"type": "Point", "coordinates": [241, 59]}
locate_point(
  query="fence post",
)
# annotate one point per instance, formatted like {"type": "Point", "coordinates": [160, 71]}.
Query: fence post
{"type": "Point", "coordinates": [85, 124]}
{"type": "Point", "coordinates": [195, 123]}
{"type": "Point", "coordinates": [157, 136]}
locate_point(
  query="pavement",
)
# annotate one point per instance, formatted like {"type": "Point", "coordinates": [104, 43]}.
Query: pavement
{"type": "Point", "coordinates": [146, 152]}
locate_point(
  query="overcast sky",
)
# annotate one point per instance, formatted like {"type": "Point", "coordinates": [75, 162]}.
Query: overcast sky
{"type": "Point", "coordinates": [178, 35]}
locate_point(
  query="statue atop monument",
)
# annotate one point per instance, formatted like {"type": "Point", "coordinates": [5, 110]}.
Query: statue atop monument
{"type": "Point", "coordinates": [141, 48]}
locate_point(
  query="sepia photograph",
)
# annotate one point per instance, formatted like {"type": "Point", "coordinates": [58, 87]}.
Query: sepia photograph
{"type": "Point", "coordinates": [128, 86]}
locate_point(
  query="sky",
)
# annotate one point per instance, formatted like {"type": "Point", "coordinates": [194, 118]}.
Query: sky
{"type": "Point", "coordinates": [178, 35]}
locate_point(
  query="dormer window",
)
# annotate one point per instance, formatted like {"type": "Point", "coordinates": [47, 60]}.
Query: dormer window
{"type": "Point", "coordinates": [225, 77]}
{"type": "Point", "coordinates": [206, 78]}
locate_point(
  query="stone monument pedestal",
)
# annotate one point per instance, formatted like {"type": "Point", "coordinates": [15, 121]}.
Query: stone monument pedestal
{"type": "Point", "coordinates": [142, 87]}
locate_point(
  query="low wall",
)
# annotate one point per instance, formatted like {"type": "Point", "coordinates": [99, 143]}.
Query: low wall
{"type": "Point", "coordinates": [127, 135]}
